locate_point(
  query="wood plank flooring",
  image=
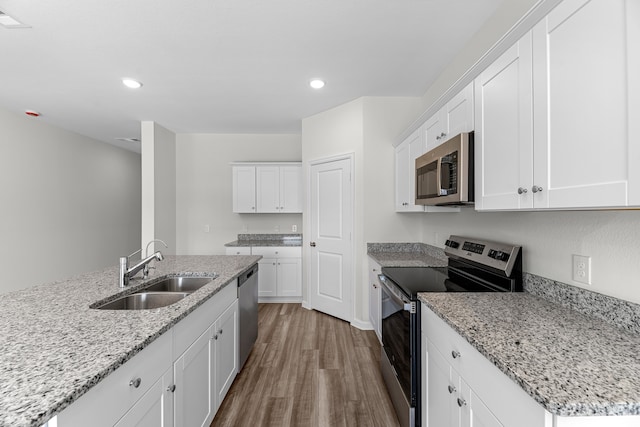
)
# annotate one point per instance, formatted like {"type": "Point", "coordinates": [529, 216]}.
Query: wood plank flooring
{"type": "Point", "coordinates": [308, 369]}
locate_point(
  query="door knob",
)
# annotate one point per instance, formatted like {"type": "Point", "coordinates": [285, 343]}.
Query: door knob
{"type": "Point", "coordinates": [522, 190]}
{"type": "Point", "coordinates": [536, 189]}
{"type": "Point", "coordinates": [312, 244]}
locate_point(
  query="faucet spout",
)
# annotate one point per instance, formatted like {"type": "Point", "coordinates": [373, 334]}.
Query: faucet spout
{"type": "Point", "coordinates": [127, 272]}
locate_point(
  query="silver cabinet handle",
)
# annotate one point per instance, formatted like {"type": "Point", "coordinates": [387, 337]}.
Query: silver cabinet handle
{"type": "Point", "coordinates": [451, 389]}
{"type": "Point", "coordinates": [253, 208]}
{"type": "Point", "coordinates": [461, 402]}
{"type": "Point", "coordinates": [522, 190]}
{"type": "Point", "coordinates": [220, 331]}
{"type": "Point", "coordinates": [215, 337]}
{"type": "Point", "coordinates": [135, 383]}
{"type": "Point", "coordinates": [171, 388]}
{"type": "Point", "coordinates": [441, 136]}
{"type": "Point", "coordinates": [312, 244]}
{"type": "Point", "coordinates": [455, 354]}
{"type": "Point", "coordinates": [536, 189]}
{"type": "Point", "coordinates": [374, 286]}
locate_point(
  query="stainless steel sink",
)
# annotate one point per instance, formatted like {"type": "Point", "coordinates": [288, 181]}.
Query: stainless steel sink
{"type": "Point", "coordinates": [179, 284]}
{"type": "Point", "coordinates": [144, 301]}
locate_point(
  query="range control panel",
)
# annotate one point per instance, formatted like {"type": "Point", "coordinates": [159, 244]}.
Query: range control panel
{"type": "Point", "coordinates": [493, 254]}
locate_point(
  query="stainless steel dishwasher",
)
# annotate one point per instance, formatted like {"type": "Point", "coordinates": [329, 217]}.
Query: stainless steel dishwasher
{"type": "Point", "coordinates": [248, 308]}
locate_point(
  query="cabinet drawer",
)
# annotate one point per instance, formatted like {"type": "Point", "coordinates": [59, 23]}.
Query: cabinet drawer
{"type": "Point", "coordinates": [112, 397]}
{"type": "Point", "coordinates": [186, 331]}
{"type": "Point", "coordinates": [277, 251]}
{"type": "Point", "coordinates": [238, 250]}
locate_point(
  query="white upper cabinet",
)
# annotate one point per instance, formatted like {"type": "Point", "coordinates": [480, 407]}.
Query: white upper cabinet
{"type": "Point", "coordinates": [459, 113]}
{"type": "Point", "coordinates": [504, 134]}
{"type": "Point", "coordinates": [291, 189]}
{"type": "Point", "coordinates": [454, 118]}
{"type": "Point", "coordinates": [267, 188]}
{"type": "Point", "coordinates": [406, 154]}
{"type": "Point", "coordinates": [244, 189]}
{"type": "Point", "coordinates": [586, 105]}
{"type": "Point", "coordinates": [556, 112]}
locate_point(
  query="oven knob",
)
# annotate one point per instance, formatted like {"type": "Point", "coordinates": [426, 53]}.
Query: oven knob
{"type": "Point", "coordinates": [452, 244]}
{"type": "Point", "coordinates": [502, 256]}
{"type": "Point", "coordinates": [493, 253]}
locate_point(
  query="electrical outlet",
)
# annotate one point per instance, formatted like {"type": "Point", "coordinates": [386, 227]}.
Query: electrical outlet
{"type": "Point", "coordinates": [294, 228]}
{"type": "Point", "coordinates": [277, 228]}
{"type": "Point", "coordinates": [582, 269]}
{"type": "Point", "coordinates": [207, 228]}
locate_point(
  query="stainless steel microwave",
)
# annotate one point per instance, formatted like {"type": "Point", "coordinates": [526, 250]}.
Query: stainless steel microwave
{"type": "Point", "coordinates": [444, 175]}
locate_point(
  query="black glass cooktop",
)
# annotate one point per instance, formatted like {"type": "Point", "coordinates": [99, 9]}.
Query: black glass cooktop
{"type": "Point", "coordinates": [433, 279]}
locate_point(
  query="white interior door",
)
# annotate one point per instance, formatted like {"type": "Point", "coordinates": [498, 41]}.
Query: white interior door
{"type": "Point", "coordinates": [331, 260]}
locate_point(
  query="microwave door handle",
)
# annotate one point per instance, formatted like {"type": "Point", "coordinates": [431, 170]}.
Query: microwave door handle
{"type": "Point", "coordinates": [439, 177]}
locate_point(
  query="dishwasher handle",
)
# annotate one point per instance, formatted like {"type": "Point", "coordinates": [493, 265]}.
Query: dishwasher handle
{"type": "Point", "coordinates": [247, 275]}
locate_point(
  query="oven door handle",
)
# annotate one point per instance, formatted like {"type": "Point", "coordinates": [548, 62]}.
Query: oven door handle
{"type": "Point", "coordinates": [404, 302]}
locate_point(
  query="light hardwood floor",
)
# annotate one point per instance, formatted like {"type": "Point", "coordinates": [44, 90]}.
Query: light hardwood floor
{"type": "Point", "coordinates": [308, 369]}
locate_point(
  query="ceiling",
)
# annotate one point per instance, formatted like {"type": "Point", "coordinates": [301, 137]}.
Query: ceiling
{"type": "Point", "coordinates": [221, 66]}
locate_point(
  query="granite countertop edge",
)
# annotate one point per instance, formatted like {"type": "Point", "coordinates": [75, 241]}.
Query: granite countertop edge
{"type": "Point", "coordinates": [406, 255]}
{"type": "Point", "coordinates": [556, 407]}
{"type": "Point", "coordinates": [35, 410]}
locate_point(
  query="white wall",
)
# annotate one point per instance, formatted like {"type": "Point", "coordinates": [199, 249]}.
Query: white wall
{"type": "Point", "coordinates": [158, 187]}
{"type": "Point", "coordinates": [70, 204]}
{"type": "Point", "coordinates": [204, 188]}
{"type": "Point", "coordinates": [366, 128]}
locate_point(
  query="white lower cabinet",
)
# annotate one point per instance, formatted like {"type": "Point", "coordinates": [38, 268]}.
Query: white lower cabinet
{"type": "Point", "coordinates": [279, 273]}
{"type": "Point", "coordinates": [178, 380]}
{"type": "Point", "coordinates": [155, 408]}
{"type": "Point", "coordinates": [375, 295]}
{"type": "Point", "coordinates": [193, 372]}
{"type": "Point", "coordinates": [204, 373]}
{"type": "Point", "coordinates": [461, 388]}
{"type": "Point", "coordinates": [225, 338]}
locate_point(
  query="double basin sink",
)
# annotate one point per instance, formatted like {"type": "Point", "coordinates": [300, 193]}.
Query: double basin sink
{"type": "Point", "coordinates": [158, 294]}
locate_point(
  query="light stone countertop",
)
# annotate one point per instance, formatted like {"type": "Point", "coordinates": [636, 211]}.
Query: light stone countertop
{"type": "Point", "coordinates": [248, 240]}
{"type": "Point", "coordinates": [570, 363]}
{"type": "Point", "coordinates": [406, 255]}
{"type": "Point", "coordinates": [55, 347]}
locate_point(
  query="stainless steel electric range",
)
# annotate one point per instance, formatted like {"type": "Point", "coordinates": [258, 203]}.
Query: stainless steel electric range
{"type": "Point", "coordinates": [474, 265]}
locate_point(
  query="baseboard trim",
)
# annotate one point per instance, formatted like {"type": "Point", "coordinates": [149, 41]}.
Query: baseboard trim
{"type": "Point", "coordinates": [361, 324]}
{"type": "Point", "coordinates": [285, 300]}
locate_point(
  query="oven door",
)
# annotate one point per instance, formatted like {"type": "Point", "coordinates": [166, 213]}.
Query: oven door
{"type": "Point", "coordinates": [396, 333]}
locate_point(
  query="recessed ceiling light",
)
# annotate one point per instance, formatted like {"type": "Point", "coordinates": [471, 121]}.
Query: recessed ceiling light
{"type": "Point", "coordinates": [10, 22]}
{"type": "Point", "coordinates": [316, 83]}
{"type": "Point", "coordinates": [131, 84]}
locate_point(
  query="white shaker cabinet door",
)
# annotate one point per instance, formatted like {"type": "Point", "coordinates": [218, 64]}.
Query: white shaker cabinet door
{"type": "Point", "coordinates": [244, 189]}
{"type": "Point", "coordinates": [226, 352]}
{"type": "Point", "coordinates": [586, 97]}
{"type": "Point", "coordinates": [442, 390]}
{"type": "Point", "coordinates": [289, 276]}
{"type": "Point", "coordinates": [459, 111]}
{"type": "Point", "coordinates": [194, 397]}
{"type": "Point", "coordinates": [268, 189]}
{"type": "Point", "coordinates": [406, 154]}
{"type": "Point", "coordinates": [267, 277]}
{"type": "Point", "coordinates": [504, 135]}
{"type": "Point", "coordinates": [290, 189]}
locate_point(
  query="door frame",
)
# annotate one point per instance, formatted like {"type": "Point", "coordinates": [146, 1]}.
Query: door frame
{"type": "Point", "coordinates": [306, 301]}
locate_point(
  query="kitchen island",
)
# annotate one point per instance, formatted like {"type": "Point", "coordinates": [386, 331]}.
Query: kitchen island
{"type": "Point", "coordinates": [56, 348]}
